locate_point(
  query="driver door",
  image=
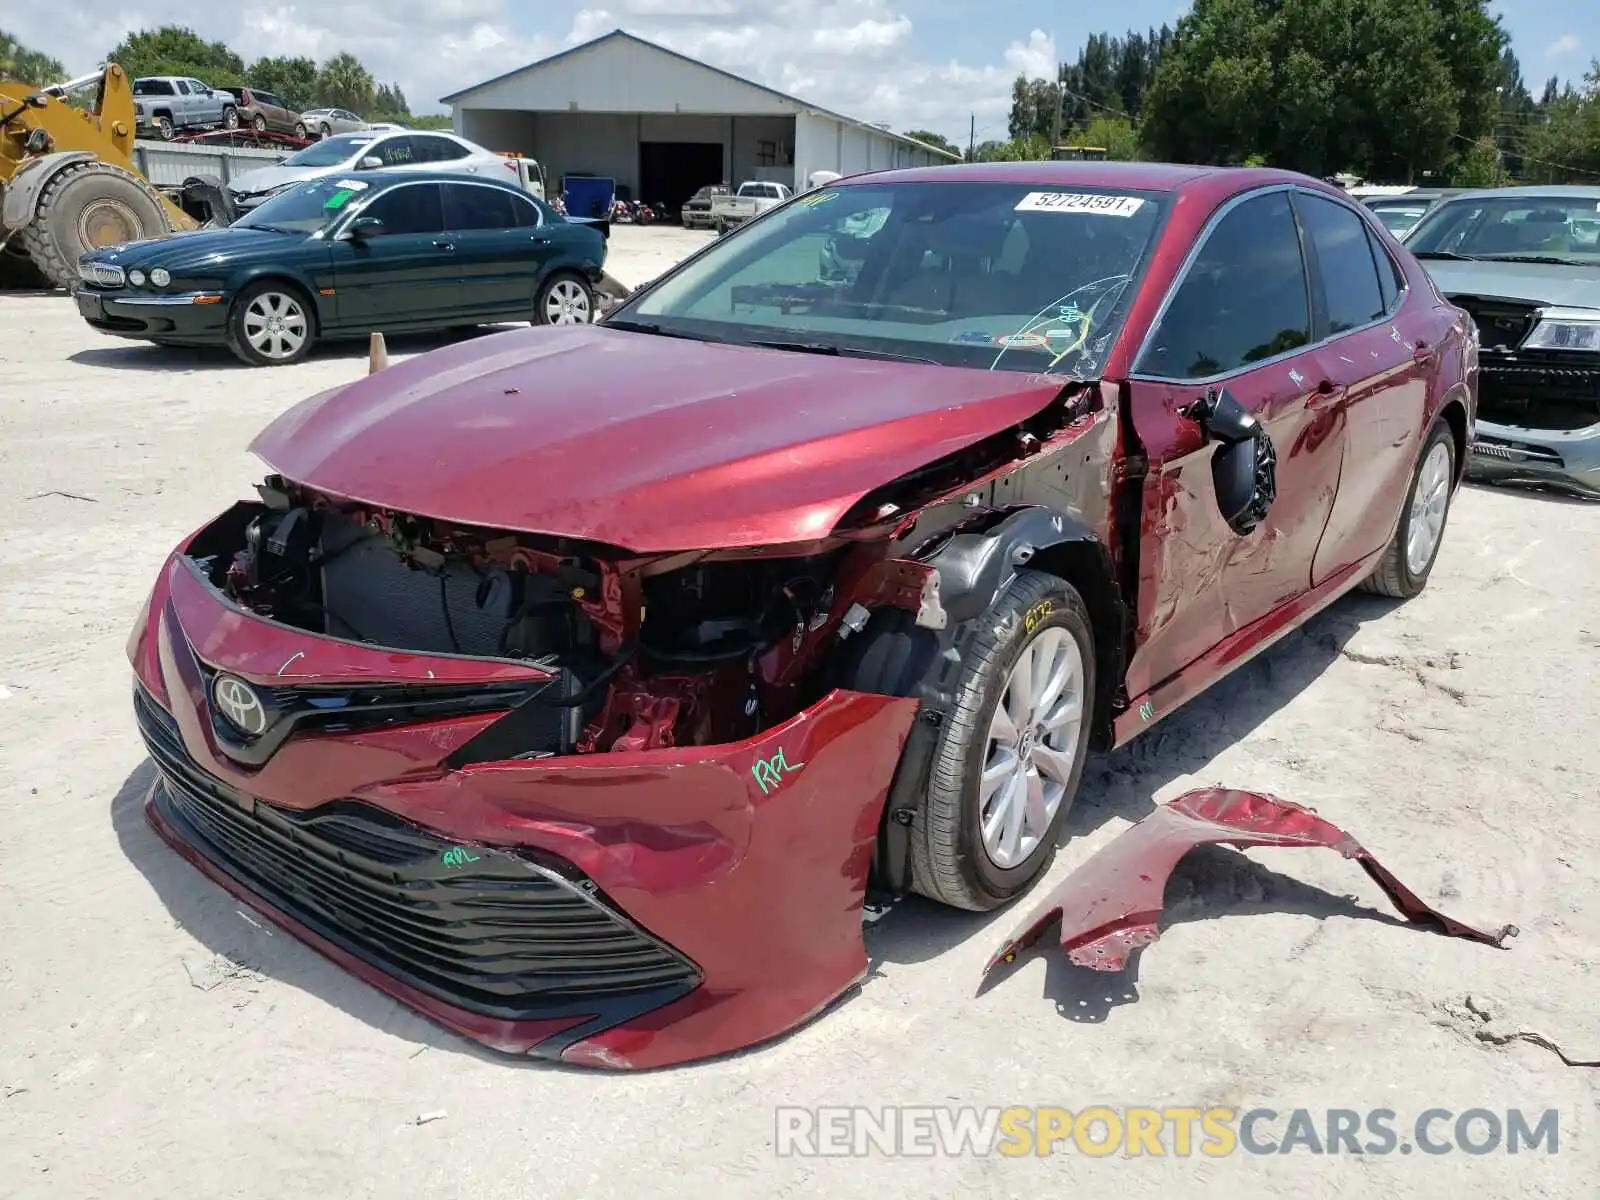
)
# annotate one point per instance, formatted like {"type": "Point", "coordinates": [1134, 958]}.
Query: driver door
{"type": "Point", "coordinates": [1238, 317]}
{"type": "Point", "coordinates": [408, 273]}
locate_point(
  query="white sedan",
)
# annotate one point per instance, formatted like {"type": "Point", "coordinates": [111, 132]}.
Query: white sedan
{"type": "Point", "coordinates": [366, 151]}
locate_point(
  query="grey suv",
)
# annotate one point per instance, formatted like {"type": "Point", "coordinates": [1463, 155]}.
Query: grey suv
{"type": "Point", "coordinates": [266, 113]}
{"type": "Point", "coordinates": [168, 103]}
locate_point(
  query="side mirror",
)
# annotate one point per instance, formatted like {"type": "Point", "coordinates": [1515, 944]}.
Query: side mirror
{"type": "Point", "coordinates": [365, 227]}
{"type": "Point", "coordinates": [370, 163]}
{"type": "Point", "coordinates": [1244, 466]}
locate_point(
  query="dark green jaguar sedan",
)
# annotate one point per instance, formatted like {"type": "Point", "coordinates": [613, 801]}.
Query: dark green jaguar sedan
{"type": "Point", "coordinates": [344, 256]}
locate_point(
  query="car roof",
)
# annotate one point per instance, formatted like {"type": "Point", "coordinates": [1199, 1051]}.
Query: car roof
{"type": "Point", "coordinates": [397, 175]}
{"type": "Point", "coordinates": [1536, 191]}
{"type": "Point", "coordinates": [1135, 176]}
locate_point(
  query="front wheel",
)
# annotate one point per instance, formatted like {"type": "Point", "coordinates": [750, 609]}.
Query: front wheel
{"type": "Point", "coordinates": [1403, 570]}
{"type": "Point", "coordinates": [270, 325]}
{"type": "Point", "coordinates": [1010, 757]}
{"type": "Point", "coordinates": [327, 131]}
{"type": "Point", "coordinates": [564, 300]}
{"type": "Point", "coordinates": [260, 123]}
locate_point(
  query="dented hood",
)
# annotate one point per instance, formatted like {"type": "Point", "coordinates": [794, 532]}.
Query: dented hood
{"type": "Point", "coordinates": [644, 442]}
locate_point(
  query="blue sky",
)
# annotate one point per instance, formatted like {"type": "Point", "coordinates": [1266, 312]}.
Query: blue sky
{"type": "Point", "coordinates": [914, 63]}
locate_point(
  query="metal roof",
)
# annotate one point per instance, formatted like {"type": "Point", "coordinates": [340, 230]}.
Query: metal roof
{"type": "Point", "coordinates": [623, 35]}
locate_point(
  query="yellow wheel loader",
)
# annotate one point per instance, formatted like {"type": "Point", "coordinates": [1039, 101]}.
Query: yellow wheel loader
{"type": "Point", "coordinates": [68, 183]}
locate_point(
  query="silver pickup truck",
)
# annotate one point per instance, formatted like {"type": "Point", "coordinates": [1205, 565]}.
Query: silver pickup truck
{"type": "Point", "coordinates": [168, 103]}
{"type": "Point", "coordinates": [751, 200]}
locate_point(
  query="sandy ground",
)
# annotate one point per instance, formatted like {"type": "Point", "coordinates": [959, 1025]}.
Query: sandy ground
{"type": "Point", "coordinates": [157, 1041]}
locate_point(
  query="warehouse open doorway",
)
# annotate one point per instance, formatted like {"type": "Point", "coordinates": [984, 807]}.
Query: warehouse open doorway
{"type": "Point", "coordinates": [671, 172]}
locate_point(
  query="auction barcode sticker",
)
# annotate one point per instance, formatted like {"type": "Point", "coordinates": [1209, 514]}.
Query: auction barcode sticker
{"type": "Point", "coordinates": [1084, 202]}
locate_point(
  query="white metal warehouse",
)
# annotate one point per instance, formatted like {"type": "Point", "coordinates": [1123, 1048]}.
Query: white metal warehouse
{"type": "Point", "coordinates": [662, 124]}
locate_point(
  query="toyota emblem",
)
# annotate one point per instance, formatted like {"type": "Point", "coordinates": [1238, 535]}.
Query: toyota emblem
{"type": "Point", "coordinates": [237, 701]}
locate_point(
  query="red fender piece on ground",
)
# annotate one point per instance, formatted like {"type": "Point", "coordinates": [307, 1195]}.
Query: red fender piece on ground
{"type": "Point", "coordinates": [1109, 905]}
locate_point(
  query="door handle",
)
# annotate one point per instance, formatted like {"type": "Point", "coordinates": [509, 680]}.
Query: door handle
{"type": "Point", "coordinates": [444, 245]}
{"type": "Point", "coordinates": [1325, 395]}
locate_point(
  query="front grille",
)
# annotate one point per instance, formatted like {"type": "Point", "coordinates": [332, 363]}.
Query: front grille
{"type": "Point", "coordinates": [102, 275]}
{"type": "Point", "coordinates": [482, 929]}
{"type": "Point", "coordinates": [1539, 389]}
{"type": "Point", "coordinates": [1515, 452]}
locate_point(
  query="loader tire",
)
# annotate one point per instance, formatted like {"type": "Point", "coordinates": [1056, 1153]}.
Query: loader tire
{"type": "Point", "coordinates": [87, 206]}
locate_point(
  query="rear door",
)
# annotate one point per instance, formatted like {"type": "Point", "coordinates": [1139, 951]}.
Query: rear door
{"type": "Point", "coordinates": [408, 273]}
{"type": "Point", "coordinates": [1238, 317]}
{"type": "Point", "coordinates": [500, 249]}
{"type": "Point", "coordinates": [399, 152]}
{"type": "Point", "coordinates": [1380, 380]}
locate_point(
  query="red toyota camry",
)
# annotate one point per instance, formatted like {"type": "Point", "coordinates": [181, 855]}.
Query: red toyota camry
{"type": "Point", "coordinates": [571, 685]}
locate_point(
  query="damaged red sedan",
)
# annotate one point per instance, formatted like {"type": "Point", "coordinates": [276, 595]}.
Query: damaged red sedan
{"type": "Point", "coordinates": [571, 685]}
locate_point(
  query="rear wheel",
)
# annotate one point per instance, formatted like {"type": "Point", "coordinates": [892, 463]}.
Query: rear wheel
{"type": "Point", "coordinates": [300, 130]}
{"type": "Point", "coordinates": [271, 325]}
{"type": "Point", "coordinates": [1408, 561]}
{"type": "Point", "coordinates": [564, 299]}
{"type": "Point", "coordinates": [164, 129]}
{"type": "Point", "coordinates": [1010, 757]}
{"type": "Point", "coordinates": [85, 207]}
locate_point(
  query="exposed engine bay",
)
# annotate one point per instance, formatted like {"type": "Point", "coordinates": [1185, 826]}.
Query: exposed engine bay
{"type": "Point", "coordinates": [643, 653]}
{"type": "Point", "coordinates": [1538, 389]}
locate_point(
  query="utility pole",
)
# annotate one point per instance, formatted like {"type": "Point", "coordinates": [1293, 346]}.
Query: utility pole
{"type": "Point", "coordinates": [1061, 99]}
{"type": "Point", "coordinates": [972, 138]}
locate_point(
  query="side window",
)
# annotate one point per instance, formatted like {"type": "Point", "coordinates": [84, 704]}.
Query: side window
{"type": "Point", "coordinates": [196, 88]}
{"type": "Point", "coordinates": [1243, 298]}
{"type": "Point", "coordinates": [438, 149]}
{"type": "Point", "coordinates": [180, 87]}
{"type": "Point", "coordinates": [528, 213]}
{"type": "Point", "coordinates": [398, 151]}
{"type": "Point", "coordinates": [467, 206]}
{"type": "Point", "coordinates": [410, 210]}
{"type": "Point", "coordinates": [1388, 273]}
{"type": "Point", "coordinates": [1344, 259]}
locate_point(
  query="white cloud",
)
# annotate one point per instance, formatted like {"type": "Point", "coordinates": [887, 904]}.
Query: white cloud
{"type": "Point", "coordinates": [858, 57]}
{"type": "Point", "coordinates": [1566, 44]}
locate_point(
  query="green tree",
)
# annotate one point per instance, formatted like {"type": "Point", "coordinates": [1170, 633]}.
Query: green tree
{"type": "Point", "coordinates": [293, 79]}
{"type": "Point", "coordinates": [1116, 134]}
{"type": "Point", "coordinates": [1565, 146]}
{"type": "Point", "coordinates": [175, 50]}
{"type": "Point", "coordinates": [344, 83]}
{"type": "Point", "coordinates": [1387, 88]}
{"type": "Point", "coordinates": [928, 138]}
{"type": "Point", "coordinates": [23, 65]}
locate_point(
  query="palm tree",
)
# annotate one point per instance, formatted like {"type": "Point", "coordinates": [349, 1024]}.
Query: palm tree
{"type": "Point", "coordinates": [344, 83]}
{"type": "Point", "coordinates": [27, 66]}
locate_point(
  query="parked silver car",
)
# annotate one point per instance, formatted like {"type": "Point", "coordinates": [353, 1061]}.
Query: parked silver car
{"type": "Point", "coordinates": [1525, 263]}
{"type": "Point", "coordinates": [364, 152]}
{"type": "Point", "coordinates": [169, 103]}
{"type": "Point", "coordinates": [325, 122]}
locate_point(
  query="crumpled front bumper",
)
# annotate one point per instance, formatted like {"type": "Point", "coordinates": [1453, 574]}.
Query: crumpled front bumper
{"type": "Point", "coordinates": [1568, 460]}
{"type": "Point", "coordinates": [730, 892]}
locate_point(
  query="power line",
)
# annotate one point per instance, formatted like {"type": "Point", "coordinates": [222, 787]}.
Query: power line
{"type": "Point", "coordinates": [1540, 161]}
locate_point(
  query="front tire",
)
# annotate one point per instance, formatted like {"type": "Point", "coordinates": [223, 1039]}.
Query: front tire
{"type": "Point", "coordinates": [260, 123]}
{"type": "Point", "coordinates": [87, 206]}
{"type": "Point", "coordinates": [1009, 759]}
{"type": "Point", "coordinates": [564, 299]}
{"type": "Point", "coordinates": [1408, 560]}
{"type": "Point", "coordinates": [271, 325]}
{"type": "Point", "coordinates": [327, 131]}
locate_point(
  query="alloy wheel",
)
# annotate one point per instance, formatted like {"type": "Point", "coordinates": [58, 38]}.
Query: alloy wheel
{"type": "Point", "coordinates": [1428, 504]}
{"type": "Point", "coordinates": [1033, 739]}
{"type": "Point", "coordinates": [567, 304]}
{"type": "Point", "coordinates": [275, 325]}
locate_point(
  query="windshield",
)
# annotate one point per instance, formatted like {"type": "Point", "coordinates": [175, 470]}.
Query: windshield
{"type": "Point", "coordinates": [1397, 218]}
{"type": "Point", "coordinates": [1562, 228]}
{"type": "Point", "coordinates": [999, 276]}
{"type": "Point", "coordinates": [329, 152]}
{"type": "Point", "coordinates": [303, 209]}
